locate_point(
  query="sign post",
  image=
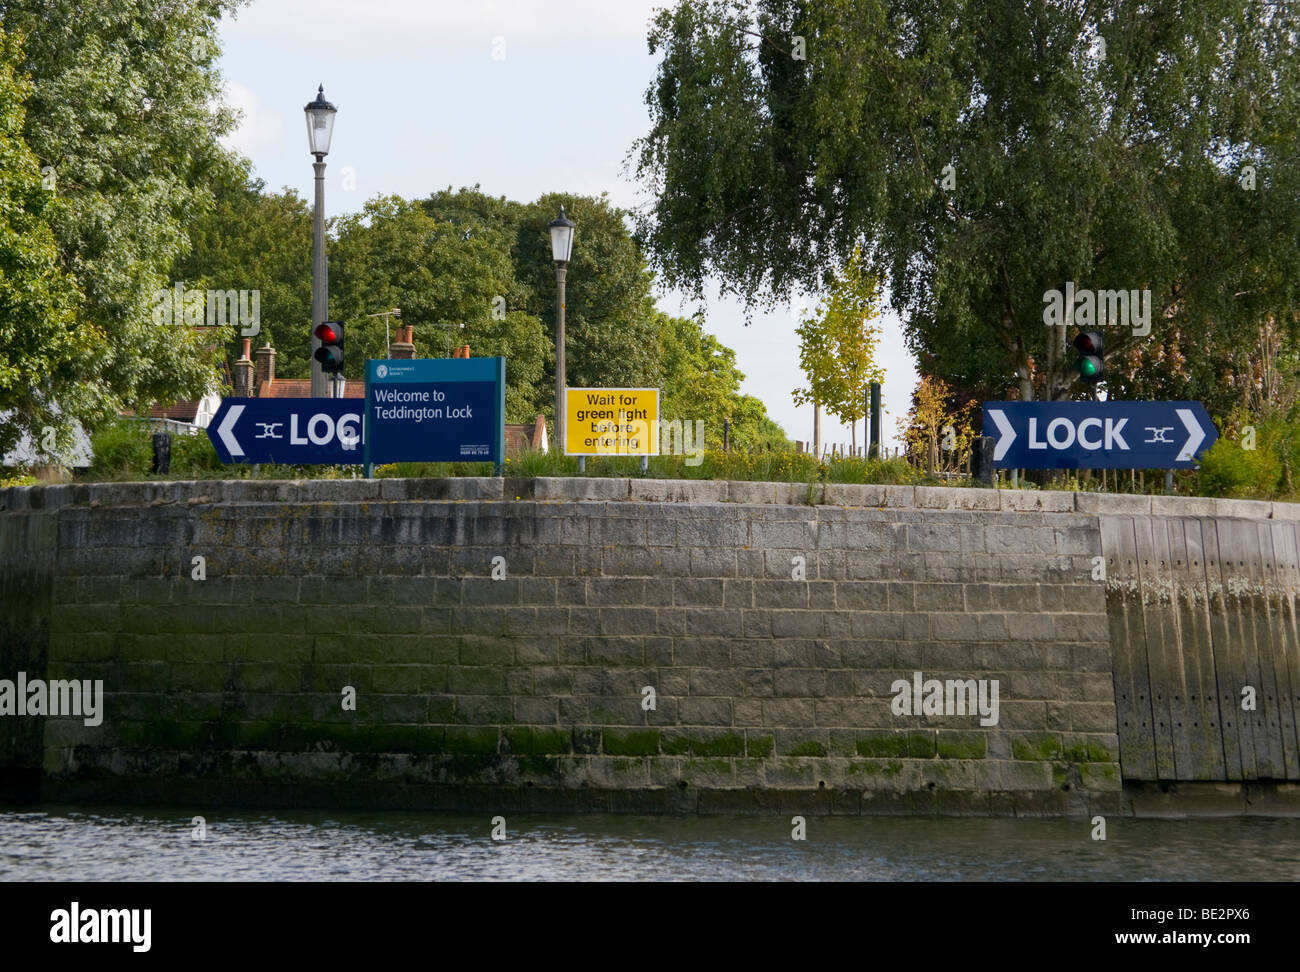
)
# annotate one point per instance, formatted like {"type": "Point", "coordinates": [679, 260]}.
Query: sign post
{"type": "Point", "coordinates": [292, 431]}
{"type": "Point", "coordinates": [611, 422]}
{"type": "Point", "coordinates": [1098, 435]}
{"type": "Point", "coordinates": [435, 410]}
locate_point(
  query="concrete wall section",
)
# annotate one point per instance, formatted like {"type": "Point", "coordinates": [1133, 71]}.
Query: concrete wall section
{"type": "Point", "coordinates": [27, 546]}
{"type": "Point", "coordinates": [773, 623]}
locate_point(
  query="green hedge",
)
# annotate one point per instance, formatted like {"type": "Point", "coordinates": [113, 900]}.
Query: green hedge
{"type": "Point", "coordinates": [123, 451]}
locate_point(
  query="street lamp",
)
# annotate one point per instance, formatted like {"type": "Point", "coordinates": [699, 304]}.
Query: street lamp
{"type": "Point", "coordinates": [388, 340]}
{"type": "Point", "coordinates": [447, 331]}
{"type": "Point", "coordinates": [561, 249]}
{"type": "Point", "coordinates": [320, 127]}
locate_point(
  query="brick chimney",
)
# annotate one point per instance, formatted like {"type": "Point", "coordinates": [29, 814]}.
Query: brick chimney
{"type": "Point", "coordinates": [265, 371]}
{"type": "Point", "coordinates": [244, 372]}
{"type": "Point", "coordinates": [403, 347]}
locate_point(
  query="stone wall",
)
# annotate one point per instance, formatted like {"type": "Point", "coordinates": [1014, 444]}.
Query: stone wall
{"type": "Point", "coordinates": [529, 691]}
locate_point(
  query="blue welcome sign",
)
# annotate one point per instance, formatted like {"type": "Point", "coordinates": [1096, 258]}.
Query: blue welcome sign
{"type": "Point", "coordinates": [436, 410]}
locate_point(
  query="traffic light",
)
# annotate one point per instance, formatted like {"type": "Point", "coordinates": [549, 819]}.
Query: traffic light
{"type": "Point", "coordinates": [1089, 365]}
{"type": "Point", "coordinates": [330, 352]}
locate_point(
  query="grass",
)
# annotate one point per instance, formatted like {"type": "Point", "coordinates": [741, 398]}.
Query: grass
{"type": "Point", "coordinates": [123, 454]}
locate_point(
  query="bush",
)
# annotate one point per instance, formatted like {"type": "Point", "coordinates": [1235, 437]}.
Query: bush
{"type": "Point", "coordinates": [889, 472]}
{"type": "Point", "coordinates": [122, 449]}
{"type": "Point", "coordinates": [1229, 470]}
{"type": "Point", "coordinates": [193, 456]}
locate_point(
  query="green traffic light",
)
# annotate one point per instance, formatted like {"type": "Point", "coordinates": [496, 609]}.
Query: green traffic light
{"type": "Point", "coordinates": [1089, 368]}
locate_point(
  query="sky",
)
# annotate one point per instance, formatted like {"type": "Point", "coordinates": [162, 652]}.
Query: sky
{"type": "Point", "coordinates": [519, 97]}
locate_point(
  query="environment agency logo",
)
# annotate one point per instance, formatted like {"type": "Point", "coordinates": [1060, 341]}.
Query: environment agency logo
{"type": "Point", "coordinates": [381, 371]}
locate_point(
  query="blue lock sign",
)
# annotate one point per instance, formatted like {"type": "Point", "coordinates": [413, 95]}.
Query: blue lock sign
{"type": "Point", "coordinates": [294, 431]}
{"type": "Point", "coordinates": [1098, 435]}
{"type": "Point", "coordinates": [435, 410]}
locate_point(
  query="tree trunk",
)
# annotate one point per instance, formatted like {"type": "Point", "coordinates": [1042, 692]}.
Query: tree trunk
{"type": "Point", "coordinates": [1026, 383]}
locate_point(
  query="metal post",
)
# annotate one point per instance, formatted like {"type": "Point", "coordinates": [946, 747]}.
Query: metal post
{"type": "Point", "coordinates": [875, 420]}
{"type": "Point", "coordinates": [162, 452]}
{"type": "Point", "coordinates": [1169, 480]}
{"type": "Point", "coordinates": [582, 464]}
{"type": "Point", "coordinates": [560, 272]}
{"type": "Point", "coordinates": [986, 444]}
{"type": "Point", "coordinates": [726, 435]}
{"type": "Point", "coordinates": [319, 281]}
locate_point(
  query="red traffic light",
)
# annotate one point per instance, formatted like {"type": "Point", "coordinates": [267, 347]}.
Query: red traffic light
{"type": "Point", "coordinates": [1088, 342]}
{"type": "Point", "coordinates": [330, 352]}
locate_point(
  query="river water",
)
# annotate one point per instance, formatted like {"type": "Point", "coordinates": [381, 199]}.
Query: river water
{"type": "Point", "coordinates": [151, 844]}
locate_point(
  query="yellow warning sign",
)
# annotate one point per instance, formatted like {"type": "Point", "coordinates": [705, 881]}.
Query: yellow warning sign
{"type": "Point", "coordinates": [611, 421]}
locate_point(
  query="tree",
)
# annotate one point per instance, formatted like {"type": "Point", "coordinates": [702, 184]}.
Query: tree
{"type": "Point", "coordinates": [985, 153]}
{"type": "Point", "coordinates": [837, 346]}
{"type": "Point", "coordinates": [611, 325]}
{"type": "Point", "coordinates": [254, 240]}
{"type": "Point", "coordinates": [936, 428]}
{"type": "Point", "coordinates": [124, 113]}
{"type": "Point", "coordinates": [699, 381]}
{"type": "Point", "coordinates": [39, 340]}
{"type": "Point", "coordinates": [394, 254]}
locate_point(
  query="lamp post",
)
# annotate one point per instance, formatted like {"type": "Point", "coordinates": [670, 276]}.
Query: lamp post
{"type": "Point", "coordinates": [320, 126]}
{"type": "Point", "coordinates": [447, 331]}
{"type": "Point", "coordinates": [561, 249]}
{"type": "Point", "coordinates": [388, 338]}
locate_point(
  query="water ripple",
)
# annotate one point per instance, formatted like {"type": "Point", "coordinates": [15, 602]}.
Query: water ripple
{"type": "Point", "coordinates": [155, 844]}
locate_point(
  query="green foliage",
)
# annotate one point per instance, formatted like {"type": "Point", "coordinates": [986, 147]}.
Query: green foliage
{"type": "Point", "coordinates": [772, 467]}
{"type": "Point", "coordinates": [766, 434]}
{"type": "Point", "coordinates": [1228, 469]}
{"type": "Point", "coordinates": [123, 449]}
{"type": "Point", "coordinates": [395, 254]}
{"type": "Point", "coordinates": [1119, 171]}
{"type": "Point", "coordinates": [194, 457]}
{"type": "Point", "coordinates": [896, 472]}
{"type": "Point", "coordinates": [39, 339]}
{"type": "Point", "coordinates": [432, 470]}
{"type": "Point", "coordinates": [610, 323]}
{"type": "Point", "coordinates": [124, 106]}
{"type": "Point", "coordinates": [837, 346]}
{"type": "Point", "coordinates": [467, 268]}
{"type": "Point", "coordinates": [699, 381]}
{"type": "Point", "coordinates": [529, 464]}
{"type": "Point", "coordinates": [255, 240]}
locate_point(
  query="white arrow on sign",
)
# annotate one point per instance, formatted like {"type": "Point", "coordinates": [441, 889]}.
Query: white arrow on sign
{"type": "Point", "coordinates": [1006, 434]}
{"type": "Point", "coordinates": [1195, 434]}
{"type": "Point", "coordinates": [227, 435]}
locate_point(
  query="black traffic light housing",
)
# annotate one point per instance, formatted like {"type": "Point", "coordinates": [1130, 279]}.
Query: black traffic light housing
{"type": "Point", "coordinates": [330, 352]}
{"type": "Point", "coordinates": [1089, 365]}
